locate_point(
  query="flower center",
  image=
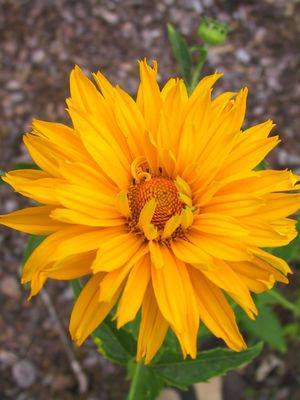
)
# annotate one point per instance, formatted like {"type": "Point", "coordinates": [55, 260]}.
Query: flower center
{"type": "Point", "coordinates": [165, 194]}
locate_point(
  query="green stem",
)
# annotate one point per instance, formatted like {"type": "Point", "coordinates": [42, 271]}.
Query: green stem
{"type": "Point", "coordinates": [197, 71]}
{"type": "Point", "coordinates": [134, 386]}
{"type": "Point", "coordinates": [284, 302]}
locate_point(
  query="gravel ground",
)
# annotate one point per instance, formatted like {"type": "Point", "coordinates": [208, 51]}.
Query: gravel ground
{"type": "Point", "coordinates": [40, 41]}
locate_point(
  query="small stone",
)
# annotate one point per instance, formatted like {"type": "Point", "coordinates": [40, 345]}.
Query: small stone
{"type": "Point", "coordinates": [208, 3]}
{"type": "Point", "coordinates": [62, 382]}
{"type": "Point", "coordinates": [211, 390]}
{"type": "Point", "coordinates": [16, 97]}
{"type": "Point", "coordinates": [108, 16]}
{"type": "Point", "coordinates": [7, 358]}
{"type": "Point", "coordinates": [66, 295]}
{"type": "Point", "coordinates": [24, 373]}
{"type": "Point", "coordinates": [38, 56]}
{"type": "Point", "coordinates": [13, 85]}
{"type": "Point", "coordinates": [168, 2]}
{"type": "Point", "coordinates": [198, 7]}
{"type": "Point", "coordinates": [243, 56]}
{"type": "Point", "coordinates": [169, 394]}
{"type": "Point", "coordinates": [10, 205]}
{"type": "Point", "coordinates": [10, 287]}
{"type": "Point", "coordinates": [267, 366]}
{"type": "Point", "coordinates": [127, 30]}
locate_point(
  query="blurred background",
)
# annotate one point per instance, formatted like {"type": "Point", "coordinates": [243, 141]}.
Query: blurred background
{"type": "Point", "coordinates": [40, 41]}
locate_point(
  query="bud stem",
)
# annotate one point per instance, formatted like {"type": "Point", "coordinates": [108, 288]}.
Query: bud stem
{"type": "Point", "coordinates": [203, 51]}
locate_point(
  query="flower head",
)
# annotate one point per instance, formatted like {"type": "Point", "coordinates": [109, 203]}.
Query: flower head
{"type": "Point", "coordinates": [157, 200]}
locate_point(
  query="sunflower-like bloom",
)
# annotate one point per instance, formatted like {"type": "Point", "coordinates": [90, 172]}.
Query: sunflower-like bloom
{"type": "Point", "coordinates": [158, 202]}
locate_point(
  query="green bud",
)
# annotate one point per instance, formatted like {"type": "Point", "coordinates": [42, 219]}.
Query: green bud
{"type": "Point", "coordinates": [213, 32]}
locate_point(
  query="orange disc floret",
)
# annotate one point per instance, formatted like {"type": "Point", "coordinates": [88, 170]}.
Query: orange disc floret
{"type": "Point", "coordinates": [165, 193]}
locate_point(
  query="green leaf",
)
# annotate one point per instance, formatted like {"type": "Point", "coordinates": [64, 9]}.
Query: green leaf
{"type": "Point", "coordinates": [2, 173]}
{"type": "Point", "coordinates": [207, 365]}
{"type": "Point", "coordinates": [114, 344]}
{"type": "Point", "coordinates": [117, 345]}
{"type": "Point", "coordinates": [26, 165]}
{"type": "Point", "coordinates": [76, 287]}
{"type": "Point", "coordinates": [292, 331]}
{"type": "Point", "coordinates": [263, 165]}
{"type": "Point", "coordinates": [146, 384]}
{"type": "Point", "coordinates": [181, 53]}
{"type": "Point", "coordinates": [266, 327]}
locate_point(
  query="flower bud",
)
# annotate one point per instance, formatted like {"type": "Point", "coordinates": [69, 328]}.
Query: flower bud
{"type": "Point", "coordinates": [213, 32]}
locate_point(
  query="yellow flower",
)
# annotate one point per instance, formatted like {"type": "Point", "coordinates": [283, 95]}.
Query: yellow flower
{"type": "Point", "coordinates": [158, 201]}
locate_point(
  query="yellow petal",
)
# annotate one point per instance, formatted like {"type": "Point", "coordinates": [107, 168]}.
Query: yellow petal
{"type": "Point", "coordinates": [89, 101]}
{"type": "Point", "coordinates": [39, 151]}
{"type": "Point", "coordinates": [170, 291]}
{"type": "Point", "coordinates": [175, 100]}
{"type": "Point", "coordinates": [278, 205]}
{"type": "Point", "coordinates": [103, 148]}
{"type": "Point", "coordinates": [262, 234]}
{"type": "Point", "coordinates": [78, 218]}
{"type": "Point", "coordinates": [149, 99]}
{"type": "Point", "coordinates": [134, 291]}
{"type": "Point", "coordinates": [183, 186]}
{"type": "Point", "coordinates": [57, 245]}
{"type": "Point", "coordinates": [153, 328]}
{"type": "Point", "coordinates": [187, 217]}
{"type": "Point", "coordinates": [113, 282]}
{"type": "Point", "coordinates": [257, 275]}
{"type": "Point", "coordinates": [218, 224]}
{"type": "Point", "coordinates": [225, 278]}
{"type": "Point", "coordinates": [188, 338]}
{"type": "Point", "coordinates": [123, 204]}
{"type": "Point", "coordinates": [86, 175]}
{"type": "Point", "coordinates": [248, 157]}
{"type": "Point", "coordinates": [150, 232]}
{"type": "Point", "coordinates": [63, 139]}
{"type": "Point", "coordinates": [117, 251]}
{"type": "Point", "coordinates": [220, 247]}
{"type": "Point", "coordinates": [171, 225]}
{"type": "Point", "coordinates": [88, 201]}
{"type": "Point", "coordinates": [88, 312]}
{"type": "Point", "coordinates": [147, 213]}
{"type": "Point", "coordinates": [276, 262]}
{"type": "Point", "coordinates": [84, 240]}
{"type": "Point", "coordinates": [107, 89]}
{"type": "Point", "coordinates": [235, 204]}
{"type": "Point", "coordinates": [190, 253]}
{"type": "Point", "coordinates": [34, 185]}
{"type": "Point", "coordinates": [156, 255]}
{"type": "Point", "coordinates": [35, 268]}
{"type": "Point", "coordinates": [73, 267]}
{"type": "Point", "coordinates": [260, 182]}
{"type": "Point", "coordinates": [130, 122]}
{"type": "Point", "coordinates": [215, 311]}
{"type": "Point", "coordinates": [33, 220]}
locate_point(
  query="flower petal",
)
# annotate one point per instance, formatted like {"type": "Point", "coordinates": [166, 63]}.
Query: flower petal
{"type": "Point", "coordinates": [33, 220]}
{"type": "Point", "coordinates": [170, 291]}
{"type": "Point", "coordinates": [149, 99]}
{"type": "Point", "coordinates": [215, 311]}
{"type": "Point", "coordinates": [153, 328]}
{"type": "Point", "coordinates": [134, 291]}
{"type": "Point", "coordinates": [117, 251]}
{"type": "Point", "coordinates": [88, 312]}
